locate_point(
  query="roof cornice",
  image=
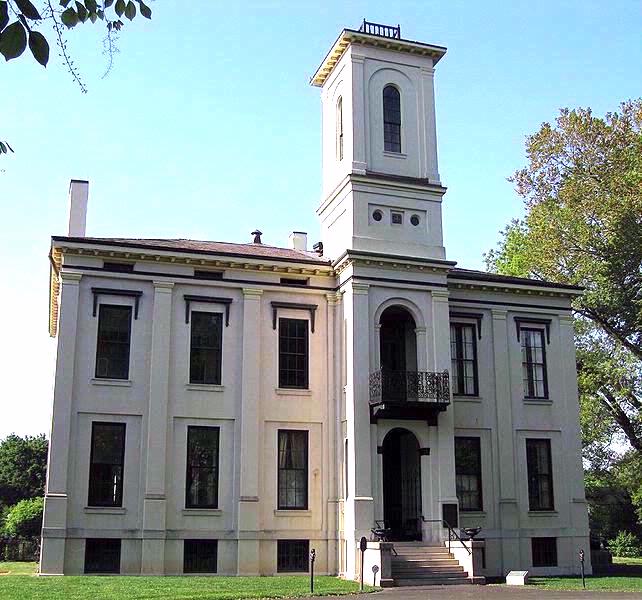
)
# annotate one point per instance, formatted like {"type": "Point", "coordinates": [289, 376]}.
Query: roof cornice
{"type": "Point", "coordinates": [350, 36]}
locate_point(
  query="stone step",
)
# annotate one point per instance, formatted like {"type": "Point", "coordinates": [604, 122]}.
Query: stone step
{"type": "Point", "coordinates": [428, 568]}
{"type": "Point", "coordinates": [422, 581]}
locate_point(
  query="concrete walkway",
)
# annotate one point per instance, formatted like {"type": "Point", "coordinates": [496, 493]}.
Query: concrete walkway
{"type": "Point", "coordinates": [494, 592]}
{"type": "Point", "coordinates": [490, 592]}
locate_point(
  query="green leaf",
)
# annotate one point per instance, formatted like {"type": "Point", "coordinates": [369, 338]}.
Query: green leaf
{"type": "Point", "coordinates": [145, 10]}
{"type": "Point", "coordinates": [39, 47]}
{"type": "Point", "coordinates": [120, 7]}
{"type": "Point", "coordinates": [130, 10]}
{"type": "Point", "coordinates": [101, 14]}
{"type": "Point", "coordinates": [4, 14]}
{"type": "Point", "coordinates": [69, 18]}
{"type": "Point", "coordinates": [82, 12]}
{"type": "Point", "coordinates": [93, 17]}
{"type": "Point", "coordinates": [91, 6]}
{"type": "Point", "coordinates": [107, 3]}
{"type": "Point", "coordinates": [28, 10]}
{"type": "Point", "coordinates": [3, 148]}
{"type": "Point", "coordinates": [13, 41]}
{"type": "Point", "coordinates": [64, 3]}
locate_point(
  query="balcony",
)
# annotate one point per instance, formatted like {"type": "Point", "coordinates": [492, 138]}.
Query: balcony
{"type": "Point", "coordinates": [414, 395]}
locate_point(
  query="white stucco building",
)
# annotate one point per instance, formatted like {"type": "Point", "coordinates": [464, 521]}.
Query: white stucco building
{"type": "Point", "coordinates": [225, 408]}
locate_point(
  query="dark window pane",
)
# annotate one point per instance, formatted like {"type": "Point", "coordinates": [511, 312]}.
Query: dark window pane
{"type": "Point", "coordinates": [391, 119]}
{"type": "Point", "coordinates": [206, 347]}
{"type": "Point", "coordinates": [293, 353]}
{"type": "Point", "coordinates": [112, 347]}
{"type": "Point", "coordinates": [202, 467]}
{"type": "Point", "coordinates": [540, 474]}
{"type": "Point", "coordinates": [293, 469]}
{"type": "Point", "coordinates": [292, 556]}
{"type": "Point", "coordinates": [544, 551]}
{"type": "Point", "coordinates": [463, 353]}
{"type": "Point", "coordinates": [106, 464]}
{"type": "Point", "coordinates": [533, 363]}
{"type": "Point", "coordinates": [468, 473]}
{"type": "Point", "coordinates": [102, 556]}
{"type": "Point", "coordinates": [200, 556]}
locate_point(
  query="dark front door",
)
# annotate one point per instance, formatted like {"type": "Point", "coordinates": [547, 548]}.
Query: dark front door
{"type": "Point", "coordinates": [393, 347]}
{"type": "Point", "coordinates": [402, 485]}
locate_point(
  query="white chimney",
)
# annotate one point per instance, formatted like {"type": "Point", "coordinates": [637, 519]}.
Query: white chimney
{"type": "Point", "coordinates": [299, 240]}
{"type": "Point", "coordinates": [78, 196]}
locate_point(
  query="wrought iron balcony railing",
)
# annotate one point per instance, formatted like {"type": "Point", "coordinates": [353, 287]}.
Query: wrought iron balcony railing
{"type": "Point", "coordinates": [389, 31]}
{"type": "Point", "coordinates": [409, 386]}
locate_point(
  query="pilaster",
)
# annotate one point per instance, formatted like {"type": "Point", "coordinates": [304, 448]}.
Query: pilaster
{"type": "Point", "coordinates": [54, 527]}
{"type": "Point", "coordinates": [429, 125]}
{"type": "Point", "coordinates": [248, 561]}
{"type": "Point", "coordinates": [359, 134]}
{"type": "Point", "coordinates": [504, 439]}
{"type": "Point", "coordinates": [359, 508]}
{"type": "Point", "coordinates": [445, 455]}
{"type": "Point", "coordinates": [154, 503]}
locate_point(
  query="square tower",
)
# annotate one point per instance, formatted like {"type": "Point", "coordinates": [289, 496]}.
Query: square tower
{"type": "Point", "coordinates": [381, 186]}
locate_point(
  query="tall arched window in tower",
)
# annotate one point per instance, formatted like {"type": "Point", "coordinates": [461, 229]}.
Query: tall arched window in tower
{"type": "Point", "coordinates": [391, 119]}
{"type": "Point", "coordinates": [340, 128]}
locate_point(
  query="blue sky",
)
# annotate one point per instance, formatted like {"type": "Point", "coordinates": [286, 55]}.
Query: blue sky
{"type": "Point", "coordinates": [207, 128]}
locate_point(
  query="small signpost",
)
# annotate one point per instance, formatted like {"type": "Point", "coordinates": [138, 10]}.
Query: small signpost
{"type": "Point", "coordinates": [313, 555]}
{"type": "Point", "coordinates": [582, 567]}
{"type": "Point", "coordinates": [375, 570]}
{"type": "Point", "coordinates": [363, 544]}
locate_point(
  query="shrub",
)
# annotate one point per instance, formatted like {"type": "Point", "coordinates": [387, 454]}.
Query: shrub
{"type": "Point", "coordinates": [625, 545]}
{"type": "Point", "coordinates": [25, 518]}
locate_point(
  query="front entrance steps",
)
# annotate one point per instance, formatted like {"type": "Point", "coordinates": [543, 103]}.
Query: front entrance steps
{"type": "Point", "coordinates": [419, 564]}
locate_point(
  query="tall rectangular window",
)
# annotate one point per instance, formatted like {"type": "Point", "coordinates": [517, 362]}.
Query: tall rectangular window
{"type": "Point", "coordinates": [391, 119]}
{"type": "Point", "coordinates": [102, 555]}
{"type": "Point", "coordinates": [540, 474]}
{"type": "Point", "coordinates": [206, 343]}
{"type": "Point", "coordinates": [463, 357]}
{"type": "Point", "coordinates": [293, 469]}
{"type": "Point", "coordinates": [106, 464]}
{"type": "Point", "coordinates": [114, 338]}
{"type": "Point", "coordinates": [292, 556]}
{"type": "Point", "coordinates": [202, 467]}
{"type": "Point", "coordinates": [534, 363]}
{"type": "Point", "coordinates": [293, 353]}
{"type": "Point", "coordinates": [200, 556]}
{"type": "Point", "coordinates": [468, 473]}
{"type": "Point", "coordinates": [544, 551]}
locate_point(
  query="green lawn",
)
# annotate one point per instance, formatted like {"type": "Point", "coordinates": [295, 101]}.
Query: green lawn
{"type": "Point", "coordinates": [621, 580]}
{"type": "Point", "coordinates": [15, 587]}
{"type": "Point", "coordinates": [627, 561]}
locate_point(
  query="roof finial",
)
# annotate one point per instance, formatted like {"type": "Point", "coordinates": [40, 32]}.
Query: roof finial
{"type": "Point", "coordinates": [257, 236]}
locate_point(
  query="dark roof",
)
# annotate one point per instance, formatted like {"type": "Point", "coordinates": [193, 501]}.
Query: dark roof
{"type": "Point", "coordinates": [472, 275]}
{"type": "Point", "coordinates": [204, 247]}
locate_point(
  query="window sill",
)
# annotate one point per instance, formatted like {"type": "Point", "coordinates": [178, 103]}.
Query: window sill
{"type": "Point", "coordinates": [292, 392]}
{"type": "Point", "coordinates": [104, 510]}
{"type": "Point", "coordinates": [538, 401]}
{"type": "Point", "coordinates": [395, 154]}
{"type": "Point", "coordinates": [543, 513]}
{"type": "Point", "coordinates": [472, 513]}
{"type": "Point", "coordinates": [205, 387]}
{"type": "Point", "coordinates": [112, 382]}
{"type": "Point", "coordinates": [467, 398]}
{"type": "Point", "coordinates": [292, 512]}
{"type": "Point", "coordinates": [202, 512]}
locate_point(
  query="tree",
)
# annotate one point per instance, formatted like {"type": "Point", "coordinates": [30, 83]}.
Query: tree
{"type": "Point", "coordinates": [21, 23]}
{"type": "Point", "coordinates": [23, 468]}
{"type": "Point", "coordinates": [25, 518]}
{"type": "Point", "coordinates": [582, 192]}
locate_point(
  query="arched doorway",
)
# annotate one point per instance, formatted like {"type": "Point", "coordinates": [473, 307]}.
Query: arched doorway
{"type": "Point", "coordinates": [397, 352]}
{"type": "Point", "coordinates": [402, 485]}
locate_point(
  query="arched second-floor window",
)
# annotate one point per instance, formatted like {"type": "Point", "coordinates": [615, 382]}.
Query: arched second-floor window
{"type": "Point", "coordinates": [340, 128]}
{"type": "Point", "coordinates": [391, 119]}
